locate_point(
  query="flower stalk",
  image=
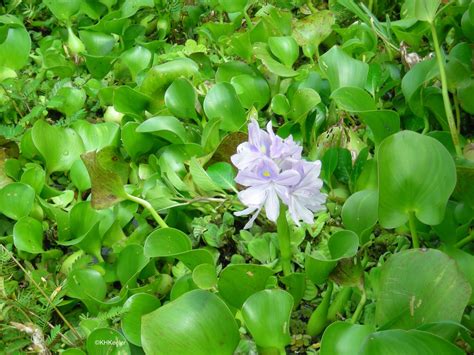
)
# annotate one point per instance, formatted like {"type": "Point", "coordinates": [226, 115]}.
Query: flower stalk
{"type": "Point", "coordinates": [283, 231]}
{"type": "Point", "coordinates": [414, 235]}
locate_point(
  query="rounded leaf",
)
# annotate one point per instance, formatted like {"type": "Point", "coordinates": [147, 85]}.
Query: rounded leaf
{"type": "Point", "coordinates": [166, 242]}
{"type": "Point", "coordinates": [267, 316]}
{"type": "Point", "coordinates": [197, 323]}
{"type": "Point", "coordinates": [106, 341]}
{"type": "Point", "coordinates": [180, 99]}
{"type": "Point", "coordinates": [28, 235]}
{"type": "Point", "coordinates": [416, 174]}
{"type": "Point", "coordinates": [16, 200]}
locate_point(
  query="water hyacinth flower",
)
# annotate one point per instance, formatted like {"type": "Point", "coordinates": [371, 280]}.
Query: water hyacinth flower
{"type": "Point", "coordinates": [273, 172]}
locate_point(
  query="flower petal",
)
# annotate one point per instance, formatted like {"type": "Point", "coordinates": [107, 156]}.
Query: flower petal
{"type": "Point", "coordinates": [272, 205]}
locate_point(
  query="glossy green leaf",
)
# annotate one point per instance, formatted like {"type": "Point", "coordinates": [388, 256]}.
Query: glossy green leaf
{"type": "Point", "coordinates": [342, 244]}
{"type": "Point", "coordinates": [15, 45]}
{"type": "Point", "coordinates": [97, 43]}
{"type": "Point", "coordinates": [68, 100]}
{"type": "Point", "coordinates": [60, 147]}
{"type": "Point", "coordinates": [88, 285]}
{"type": "Point", "coordinates": [223, 175]}
{"type": "Point", "coordinates": [166, 127]}
{"type": "Point", "coordinates": [200, 177]}
{"type": "Point", "coordinates": [160, 76]}
{"type": "Point", "coordinates": [28, 235]}
{"type": "Point", "coordinates": [79, 175]}
{"type": "Point", "coordinates": [280, 105]}
{"type": "Point", "coordinates": [131, 261]}
{"type": "Point", "coordinates": [97, 136]}
{"type": "Point", "coordinates": [63, 9]}
{"type": "Point", "coordinates": [267, 316]}
{"type": "Point", "coordinates": [135, 307]}
{"type": "Point", "coordinates": [341, 70]}
{"type": "Point", "coordinates": [261, 52]}
{"type": "Point", "coordinates": [136, 59]}
{"type": "Point", "coordinates": [166, 242]}
{"type": "Point", "coordinates": [104, 341]}
{"type": "Point", "coordinates": [180, 99]}
{"type": "Point", "coordinates": [136, 143]}
{"type": "Point", "coordinates": [302, 102]}
{"type": "Point", "coordinates": [344, 338]}
{"type": "Point", "coordinates": [233, 5]}
{"type": "Point", "coordinates": [407, 342]}
{"type": "Point", "coordinates": [239, 281]}
{"type": "Point", "coordinates": [403, 190]}
{"type": "Point", "coordinates": [196, 323]}
{"type": "Point", "coordinates": [251, 90]}
{"type": "Point", "coordinates": [222, 102]}
{"type": "Point", "coordinates": [414, 283]}
{"type": "Point", "coordinates": [205, 276]}
{"type": "Point", "coordinates": [425, 10]}
{"type": "Point", "coordinates": [285, 49]}
{"type": "Point", "coordinates": [360, 211]}
{"type": "Point", "coordinates": [35, 176]}
{"type": "Point", "coordinates": [16, 200]}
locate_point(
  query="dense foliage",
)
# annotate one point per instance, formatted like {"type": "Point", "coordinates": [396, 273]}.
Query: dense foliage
{"type": "Point", "coordinates": [118, 190]}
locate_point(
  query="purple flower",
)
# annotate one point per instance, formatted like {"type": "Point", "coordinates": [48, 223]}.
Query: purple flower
{"type": "Point", "coordinates": [272, 170]}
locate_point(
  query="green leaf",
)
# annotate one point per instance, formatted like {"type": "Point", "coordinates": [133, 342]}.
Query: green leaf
{"type": "Point", "coordinates": [280, 105]}
{"type": "Point", "coordinates": [342, 244]}
{"type": "Point", "coordinates": [260, 50]}
{"type": "Point", "coordinates": [223, 175]}
{"type": "Point", "coordinates": [106, 341]}
{"type": "Point", "coordinates": [197, 323]}
{"type": "Point", "coordinates": [68, 100]}
{"type": "Point", "coordinates": [267, 316]}
{"type": "Point", "coordinates": [425, 10]}
{"type": "Point", "coordinates": [131, 261]}
{"type": "Point", "coordinates": [180, 99]}
{"type": "Point", "coordinates": [60, 147]}
{"type": "Point", "coordinates": [285, 49]}
{"type": "Point", "coordinates": [302, 102]}
{"type": "Point", "coordinates": [222, 102]}
{"type": "Point", "coordinates": [233, 5]}
{"type": "Point", "coordinates": [160, 76]}
{"type": "Point", "coordinates": [28, 235]}
{"type": "Point", "coordinates": [88, 285]}
{"type": "Point", "coordinates": [166, 242]}
{"type": "Point", "coordinates": [15, 46]}
{"type": "Point", "coordinates": [136, 143]}
{"type": "Point", "coordinates": [108, 174]}
{"type": "Point", "coordinates": [344, 338]}
{"type": "Point", "coordinates": [16, 200]}
{"type": "Point", "coordinates": [251, 90]}
{"type": "Point", "coordinates": [239, 281]}
{"type": "Point", "coordinates": [313, 29]}
{"type": "Point", "coordinates": [360, 211]}
{"type": "Point", "coordinates": [353, 99]}
{"type": "Point", "coordinates": [341, 70]}
{"type": "Point", "coordinates": [407, 343]}
{"type": "Point", "coordinates": [135, 307]}
{"type": "Point", "coordinates": [166, 127]}
{"type": "Point", "coordinates": [403, 190]}
{"type": "Point", "coordinates": [413, 284]}
{"type": "Point", "coordinates": [99, 135]}
{"type": "Point", "coordinates": [200, 178]}
{"type": "Point", "coordinates": [205, 276]}
{"type": "Point", "coordinates": [63, 9]}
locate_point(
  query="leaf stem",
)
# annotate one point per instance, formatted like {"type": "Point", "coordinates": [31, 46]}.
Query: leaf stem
{"type": "Point", "coordinates": [444, 91]}
{"type": "Point", "coordinates": [27, 274]}
{"type": "Point", "coordinates": [465, 241]}
{"type": "Point", "coordinates": [414, 235]}
{"type": "Point", "coordinates": [284, 240]}
{"type": "Point", "coordinates": [145, 204]}
{"type": "Point", "coordinates": [360, 307]}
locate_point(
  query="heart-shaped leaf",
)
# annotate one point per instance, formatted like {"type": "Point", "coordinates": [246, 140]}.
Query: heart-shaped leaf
{"type": "Point", "coordinates": [285, 49]}
{"type": "Point", "coordinates": [104, 341]}
{"type": "Point", "coordinates": [222, 102]}
{"type": "Point", "coordinates": [414, 283]}
{"type": "Point", "coordinates": [135, 307]}
{"type": "Point", "coordinates": [267, 316]}
{"type": "Point", "coordinates": [180, 99]}
{"type": "Point", "coordinates": [252, 90]}
{"type": "Point", "coordinates": [166, 127]}
{"type": "Point", "coordinates": [237, 282]}
{"type": "Point", "coordinates": [344, 338]}
{"type": "Point", "coordinates": [28, 235]}
{"type": "Point", "coordinates": [15, 47]}
{"type": "Point", "coordinates": [16, 200]}
{"type": "Point", "coordinates": [403, 190]}
{"type": "Point", "coordinates": [197, 323]}
{"type": "Point", "coordinates": [342, 244]}
{"type": "Point", "coordinates": [60, 147]}
{"type": "Point", "coordinates": [360, 212]}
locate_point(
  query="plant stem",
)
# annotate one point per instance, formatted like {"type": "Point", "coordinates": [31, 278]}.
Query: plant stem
{"type": "Point", "coordinates": [458, 113]}
{"type": "Point", "coordinates": [32, 280]}
{"type": "Point", "coordinates": [414, 235]}
{"type": "Point", "coordinates": [145, 204]}
{"type": "Point", "coordinates": [465, 241]}
{"type": "Point", "coordinates": [444, 90]}
{"type": "Point", "coordinates": [360, 307]}
{"type": "Point", "coordinates": [248, 20]}
{"type": "Point", "coordinates": [284, 241]}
